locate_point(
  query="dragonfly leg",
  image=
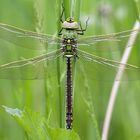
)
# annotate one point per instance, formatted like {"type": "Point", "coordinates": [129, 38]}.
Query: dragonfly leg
{"type": "Point", "coordinates": [86, 24]}
{"type": "Point", "coordinates": [81, 30]}
{"type": "Point", "coordinates": [63, 9]}
{"type": "Point", "coordinates": [60, 32]}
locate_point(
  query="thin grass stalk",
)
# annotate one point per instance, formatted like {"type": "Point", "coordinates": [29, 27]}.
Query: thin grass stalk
{"type": "Point", "coordinates": [75, 13]}
{"type": "Point", "coordinates": [39, 15]}
{"type": "Point", "coordinates": [87, 99]}
{"type": "Point", "coordinates": [91, 110]}
{"type": "Point", "coordinates": [76, 10]}
{"type": "Point", "coordinates": [58, 11]}
{"type": "Point", "coordinates": [67, 8]}
{"type": "Point", "coordinates": [137, 2]}
{"type": "Point", "coordinates": [117, 81]}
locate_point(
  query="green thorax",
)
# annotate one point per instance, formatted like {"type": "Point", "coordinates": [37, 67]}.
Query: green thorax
{"type": "Point", "coordinates": [69, 38]}
{"type": "Point", "coordinates": [72, 34]}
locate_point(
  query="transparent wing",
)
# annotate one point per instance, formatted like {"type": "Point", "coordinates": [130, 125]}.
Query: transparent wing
{"type": "Point", "coordinates": [107, 42]}
{"type": "Point", "coordinates": [32, 68]}
{"type": "Point", "coordinates": [25, 38]}
{"type": "Point", "coordinates": [104, 69]}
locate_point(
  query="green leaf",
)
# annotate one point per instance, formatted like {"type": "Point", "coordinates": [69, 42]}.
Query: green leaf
{"type": "Point", "coordinates": [37, 127]}
{"type": "Point", "coordinates": [62, 134]}
{"type": "Point", "coordinates": [14, 112]}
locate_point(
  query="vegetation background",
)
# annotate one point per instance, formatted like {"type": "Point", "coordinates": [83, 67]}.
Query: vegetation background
{"type": "Point", "coordinates": [90, 96]}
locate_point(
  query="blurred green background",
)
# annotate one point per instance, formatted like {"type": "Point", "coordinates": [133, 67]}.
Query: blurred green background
{"type": "Point", "coordinates": [90, 96]}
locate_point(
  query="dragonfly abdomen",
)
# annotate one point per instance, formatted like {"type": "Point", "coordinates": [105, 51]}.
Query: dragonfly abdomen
{"type": "Point", "coordinates": [69, 95]}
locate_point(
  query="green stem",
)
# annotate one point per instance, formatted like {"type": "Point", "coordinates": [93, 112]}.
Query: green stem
{"type": "Point", "coordinates": [58, 9]}
{"type": "Point", "coordinates": [137, 2]}
{"type": "Point", "coordinates": [67, 7]}
{"type": "Point", "coordinates": [76, 10]}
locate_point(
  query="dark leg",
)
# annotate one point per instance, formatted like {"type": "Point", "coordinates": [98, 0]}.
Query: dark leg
{"type": "Point", "coordinates": [81, 30]}
{"type": "Point", "coordinates": [60, 32]}
{"type": "Point", "coordinates": [62, 13]}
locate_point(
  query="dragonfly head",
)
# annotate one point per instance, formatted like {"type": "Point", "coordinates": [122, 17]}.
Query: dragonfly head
{"type": "Point", "coordinates": [70, 19]}
{"type": "Point", "coordinates": [70, 24]}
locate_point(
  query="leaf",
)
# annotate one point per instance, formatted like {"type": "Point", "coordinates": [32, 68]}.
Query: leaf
{"type": "Point", "coordinates": [61, 134]}
{"type": "Point", "coordinates": [14, 112]}
{"type": "Point", "coordinates": [37, 127]}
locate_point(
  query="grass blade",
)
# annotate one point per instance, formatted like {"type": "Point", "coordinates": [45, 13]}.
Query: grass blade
{"type": "Point", "coordinates": [116, 84]}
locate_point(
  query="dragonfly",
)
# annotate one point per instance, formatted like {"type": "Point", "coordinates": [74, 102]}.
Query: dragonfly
{"type": "Point", "coordinates": [70, 42]}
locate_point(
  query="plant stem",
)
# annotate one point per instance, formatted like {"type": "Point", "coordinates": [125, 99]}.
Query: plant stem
{"type": "Point", "coordinates": [137, 2]}
{"type": "Point", "coordinates": [67, 6]}
{"type": "Point", "coordinates": [77, 7]}
{"type": "Point", "coordinates": [58, 9]}
{"type": "Point", "coordinates": [117, 80]}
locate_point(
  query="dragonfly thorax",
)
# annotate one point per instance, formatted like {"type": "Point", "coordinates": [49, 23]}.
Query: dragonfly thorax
{"type": "Point", "coordinates": [69, 41]}
{"type": "Point", "coordinates": [69, 47]}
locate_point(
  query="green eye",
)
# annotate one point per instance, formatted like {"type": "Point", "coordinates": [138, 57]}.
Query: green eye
{"type": "Point", "coordinates": [70, 19]}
